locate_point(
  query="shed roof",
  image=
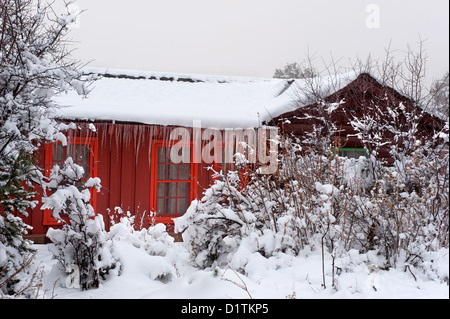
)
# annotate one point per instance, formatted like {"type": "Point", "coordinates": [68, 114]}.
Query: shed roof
{"type": "Point", "coordinates": [179, 99]}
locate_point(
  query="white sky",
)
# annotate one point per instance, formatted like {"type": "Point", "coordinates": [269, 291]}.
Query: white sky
{"type": "Point", "coordinates": [253, 37]}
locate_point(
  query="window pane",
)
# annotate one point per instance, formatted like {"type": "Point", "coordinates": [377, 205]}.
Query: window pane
{"type": "Point", "coordinates": [182, 205]}
{"type": "Point", "coordinates": [183, 189]}
{"type": "Point", "coordinates": [161, 174]}
{"type": "Point", "coordinates": [59, 153]}
{"type": "Point", "coordinates": [171, 206]}
{"type": "Point", "coordinates": [82, 154]}
{"type": "Point", "coordinates": [161, 206]}
{"type": "Point", "coordinates": [172, 189]}
{"type": "Point", "coordinates": [173, 172]}
{"type": "Point", "coordinates": [161, 190]}
{"type": "Point", "coordinates": [185, 171]}
{"type": "Point", "coordinates": [161, 154]}
{"type": "Point", "coordinates": [167, 190]}
{"type": "Point", "coordinates": [72, 151]}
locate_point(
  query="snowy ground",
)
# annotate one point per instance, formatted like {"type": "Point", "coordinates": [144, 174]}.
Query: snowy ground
{"type": "Point", "coordinates": [275, 278]}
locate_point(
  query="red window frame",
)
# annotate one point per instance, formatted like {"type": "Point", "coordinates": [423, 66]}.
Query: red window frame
{"type": "Point", "coordinates": [193, 179]}
{"type": "Point", "coordinates": [48, 219]}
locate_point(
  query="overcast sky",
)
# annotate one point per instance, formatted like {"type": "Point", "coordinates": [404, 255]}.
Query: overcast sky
{"type": "Point", "coordinates": [254, 37]}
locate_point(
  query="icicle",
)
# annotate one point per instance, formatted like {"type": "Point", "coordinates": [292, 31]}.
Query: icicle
{"type": "Point", "coordinates": [150, 141]}
{"type": "Point", "coordinates": [126, 135]}
{"type": "Point", "coordinates": [102, 128]}
{"type": "Point", "coordinates": [111, 134]}
{"type": "Point", "coordinates": [141, 129]}
{"type": "Point", "coordinates": [118, 135]}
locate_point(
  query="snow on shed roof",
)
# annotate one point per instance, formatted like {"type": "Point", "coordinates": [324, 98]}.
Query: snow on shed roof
{"type": "Point", "coordinates": [179, 99]}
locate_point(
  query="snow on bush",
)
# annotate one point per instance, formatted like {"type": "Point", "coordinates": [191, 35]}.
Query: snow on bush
{"type": "Point", "coordinates": [35, 65]}
{"type": "Point", "coordinates": [322, 201]}
{"type": "Point", "coordinates": [16, 254]}
{"type": "Point", "coordinates": [216, 225]}
{"type": "Point", "coordinates": [82, 244]}
{"type": "Point", "coordinates": [155, 242]}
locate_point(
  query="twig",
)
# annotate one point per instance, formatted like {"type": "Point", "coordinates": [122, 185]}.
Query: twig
{"type": "Point", "coordinates": [409, 268]}
{"type": "Point", "coordinates": [242, 286]}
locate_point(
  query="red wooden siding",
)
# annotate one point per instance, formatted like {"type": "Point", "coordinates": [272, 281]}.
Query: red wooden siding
{"type": "Point", "coordinates": [363, 96]}
{"type": "Point", "coordinates": [125, 169]}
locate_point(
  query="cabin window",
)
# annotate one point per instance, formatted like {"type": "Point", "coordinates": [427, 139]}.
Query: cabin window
{"type": "Point", "coordinates": [84, 153]}
{"type": "Point", "coordinates": [352, 152]}
{"type": "Point", "coordinates": [172, 183]}
{"type": "Point", "coordinates": [80, 154]}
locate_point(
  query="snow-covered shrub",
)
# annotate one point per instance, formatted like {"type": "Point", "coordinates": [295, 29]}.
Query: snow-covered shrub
{"type": "Point", "coordinates": [408, 207]}
{"type": "Point", "coordinates": [214, 226]}
{"type": "Point", "coordinates": [15, 197]}
{"type": "Point", "coordinates": [406, 210]}
{"type": "Point", "coordinates": [279, 213]}
{"type": "Point", "coordinates": [323, 201]}
{"type": "Point", "coordinates": [82, 243]}
{"type": "Point", "coordinates": [35, 65]}
{"type": "Point", "coordinates": [138, 220]}
{"type": "Point", "coordinates": [13, 254]}
{"type": "Point", "coordinates": [154, 241]}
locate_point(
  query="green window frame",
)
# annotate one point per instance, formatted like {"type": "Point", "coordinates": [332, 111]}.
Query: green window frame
{"type": "Point", "coordinates": [351, 152]}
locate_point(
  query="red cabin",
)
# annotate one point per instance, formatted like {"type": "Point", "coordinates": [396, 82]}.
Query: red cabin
{"type": "Point", "coordinates": [131, 121]}
{"type": "Point", "coordinates": [123, 136]}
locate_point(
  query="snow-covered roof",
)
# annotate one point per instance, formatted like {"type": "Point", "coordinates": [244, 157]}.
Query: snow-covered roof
{"type": "Point", "coordinates": [179, 99]}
